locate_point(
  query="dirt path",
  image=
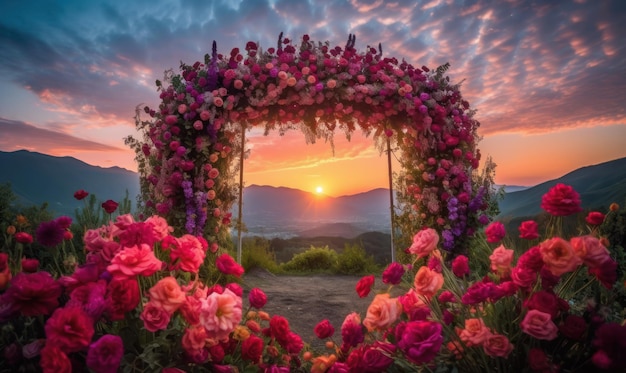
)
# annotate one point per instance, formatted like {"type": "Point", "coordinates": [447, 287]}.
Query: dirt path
{"type": "Point", "coordinates": [306, 300]}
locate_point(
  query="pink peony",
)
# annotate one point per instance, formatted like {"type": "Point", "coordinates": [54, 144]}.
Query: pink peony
{"type": "Point", "coordinates": [501, 260]}
{"type": "Point", "coordinates": [595, 218]}
{"type": "Point", "coordinates": [220, 314]}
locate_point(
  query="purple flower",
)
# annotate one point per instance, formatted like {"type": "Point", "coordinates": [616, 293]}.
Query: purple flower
{"type": "Point", "coordinates": [50, 233]}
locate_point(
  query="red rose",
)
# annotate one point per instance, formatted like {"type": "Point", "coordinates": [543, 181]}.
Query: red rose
{"type": "Point", "coordinates": [528, 230]}
{"type": "Point", "coordinates": [495, 232]}
{"type": "Point", "coordinates": [392, 275]}
{"type": "Point", "coordinates": [460, 266]}
{"type": "Point", "coordinates": [279, 329]}
{"type": "Point", "coordinates": [227, 265]}
{"type": "Point", "coordinates": [544, 301]}
{"type": "Point", "coordinates": [30, 265]}
{"type": "Point", "coordinates": [606, 273]}
{"type": "Point", "coordinates": [70, 329]}
{"type": "Point", "coordinates": [53, 360]}
{"type": "Point", "coordinates": [561, 200]}
{"type": "Point", "coordinates": [257, 298]}
{"type": "Point", "coordinates": [80, 194]}
{"type": "Point", "coordinates": [105, 354]}
{"type": "Point", "coordinates": [595, 218]}
{"type": "Point", "coordinates": [324, 329]}
{"type": "Point", "coordinates": [122, 296]}
{"type": "Point", "coordinates": [294, 343]}
{"type": "Point", "coordinates": [538, 360]}
{"type": "Point", "coordinates": [34, 294]}
{"type": "Point", "coordinates": [573, 327]}
{"type": "Point", "coordinates": [252, 348]}
{"type": "Point", "coordinates": [364, 286]}
{"type": "Point", "coordinates": [110, 206]}
{"type": "Point", "coordinates": [23, 237]}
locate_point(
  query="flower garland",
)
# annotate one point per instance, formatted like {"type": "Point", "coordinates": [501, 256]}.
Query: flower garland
{"type": "Point", "coordinates": [190, 139]}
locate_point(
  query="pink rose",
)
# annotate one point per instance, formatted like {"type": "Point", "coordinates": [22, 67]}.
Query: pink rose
{"type": "Point", "coordinates": [133, 261]}
{"type": "Point", "coordinates": [495, 232]}
{"type": "Point", "coordinates": [497, 345]}
{"type": "Point", "coordinates": [154, 317]}
{"type": "Point", "coordinates": [501, 259]}
{"type": "Point", "coordinates": [227, 265]}
{"type": "Point", "coordinates": [424, 242]}
{"type": "Point", "coordinates": [590, 250]}
{"type": "Point", "coordinates": [559, 256]}
{"type": "Point", "coordinates": [475, 332]}
{"type": "Point", "coordinates": [539, 325]}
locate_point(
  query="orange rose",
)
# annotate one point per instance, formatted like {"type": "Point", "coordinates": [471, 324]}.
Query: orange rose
{"type": "Point", "coordinates": [167, 294]}
{"type": "Point", "coordinates": [382, 312]}
{"type": "Point", "coordinates": [427, 282]}
{"type": "Point", "coordinates": [475, 332]}
{"type": "Point", "coordinates": [559, 256]}
{"type": "Point", "coordinates": [424, 242]}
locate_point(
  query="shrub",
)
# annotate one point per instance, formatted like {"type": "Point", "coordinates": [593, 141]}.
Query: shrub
{"type": "Point", "coordinates": [315, 259]}
{"type": "Point", "coordinates": [353, 260]}
{"type": "Point", "coordinates": [256, 253]}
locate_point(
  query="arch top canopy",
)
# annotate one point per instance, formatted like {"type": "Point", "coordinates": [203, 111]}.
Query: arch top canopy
{"type": "Point", "coordinates": [188, 143]}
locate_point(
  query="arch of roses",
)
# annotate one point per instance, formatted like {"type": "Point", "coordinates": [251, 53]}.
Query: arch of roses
{"type": "Point", "coordinates": [188, 155]}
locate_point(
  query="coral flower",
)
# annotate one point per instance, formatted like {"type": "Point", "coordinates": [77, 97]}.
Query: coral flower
{"type": "Point", "coordinates": [427, 282]}
{"type": "Point", "coordinates": [382, 312]}
{"type": "Point", "coordinates": [220, 314]}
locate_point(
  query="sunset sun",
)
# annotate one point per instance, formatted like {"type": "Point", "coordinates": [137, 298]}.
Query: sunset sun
{"type": "Point", "coordinates": [319, 190]}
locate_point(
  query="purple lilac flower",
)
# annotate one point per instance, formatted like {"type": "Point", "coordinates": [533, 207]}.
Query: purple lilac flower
{"type": "Point", "coordinates": [200, 212]}
{"type": "Point", "coordinates": [477, 201]}
{"type": "Point", "coordinates": [448, 239]}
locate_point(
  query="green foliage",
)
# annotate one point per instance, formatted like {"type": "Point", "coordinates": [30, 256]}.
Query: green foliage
{"type": "Point", "coordinates": [353, 260]}
{"type": "Point", "coordinates": [315, 259]}
{"type": "Point", "coordinates": [256, 253]}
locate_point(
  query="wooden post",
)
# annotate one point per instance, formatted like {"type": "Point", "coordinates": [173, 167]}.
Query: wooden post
{"type": "Point", "coordinates": [393, 251]}
{"type": "Point", "coordinates": [240, 216]}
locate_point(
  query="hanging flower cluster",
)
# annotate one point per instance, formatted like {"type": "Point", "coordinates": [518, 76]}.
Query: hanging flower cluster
{"type": "Point", "coordinates": [186, 155]}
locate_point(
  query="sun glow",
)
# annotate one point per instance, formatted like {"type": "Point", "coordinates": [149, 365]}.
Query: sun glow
{"type": "Point", "coordinates": [319, 190]}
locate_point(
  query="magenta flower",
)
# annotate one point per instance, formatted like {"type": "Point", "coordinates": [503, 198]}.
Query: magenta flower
{"type": "Point", "coordinates": [50, 233]}
{"type": "Point", "coordinates": [392, 275]}
{"type": "Point", "coordinates": [105, 354]}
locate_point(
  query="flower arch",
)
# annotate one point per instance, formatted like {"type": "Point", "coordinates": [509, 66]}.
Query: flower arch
{"type": "Point", "coordinates": [186, 158]}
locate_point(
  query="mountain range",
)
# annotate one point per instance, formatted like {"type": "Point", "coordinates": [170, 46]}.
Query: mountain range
{"type": "Point", "coordinates": [279, 211]}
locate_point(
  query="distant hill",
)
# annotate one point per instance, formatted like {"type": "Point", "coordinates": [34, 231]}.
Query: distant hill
{"type": "Point", "coordinates": [37, 178]}
{"type": "Point", "coordinates": [281, 211]}
{"type": "Point", "coordinates": [598, 185]}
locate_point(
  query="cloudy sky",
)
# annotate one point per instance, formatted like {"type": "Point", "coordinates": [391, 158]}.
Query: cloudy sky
{"type": "Point", "coordinates": [548, 77]}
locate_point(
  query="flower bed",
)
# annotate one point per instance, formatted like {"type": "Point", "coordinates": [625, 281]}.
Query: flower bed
{"type": "Point", "coordinates": [142, 301]}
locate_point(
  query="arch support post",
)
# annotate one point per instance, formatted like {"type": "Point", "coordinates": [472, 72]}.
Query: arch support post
{"type": "Point", "coordinates": [391, 210]}
{"type": "Point", "coordinates": [240, 214]}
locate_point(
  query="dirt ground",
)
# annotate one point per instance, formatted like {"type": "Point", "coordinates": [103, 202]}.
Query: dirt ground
{"type": "Point", "coordinates": [306, 300]}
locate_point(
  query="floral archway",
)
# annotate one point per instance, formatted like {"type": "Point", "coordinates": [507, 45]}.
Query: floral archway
{"type": "Point", "coordinates": [191, 141]}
